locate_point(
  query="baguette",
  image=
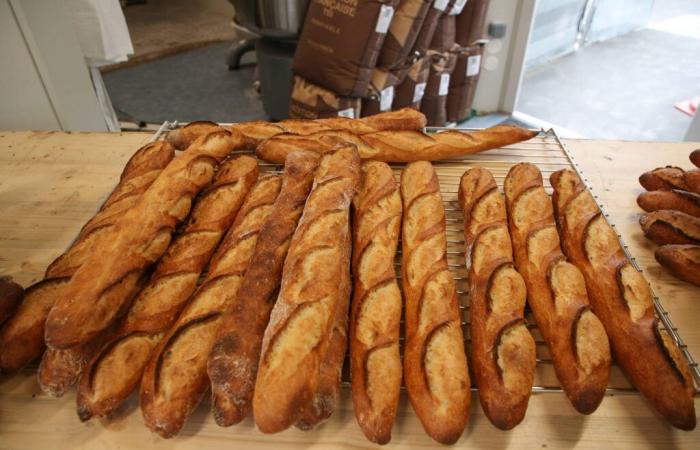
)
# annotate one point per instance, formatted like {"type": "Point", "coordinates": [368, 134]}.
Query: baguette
{"type": "Point", "coordinates": [11, 295]}
{"type": "Point", "coordinates": [312, 295]}
{"type": "Point", "coordinates": [233, 361]}
{"type": "Point", "coordinates": [100, 290]}
{"type": "Point", "coordinates": [621, 297]}
{"type": "Point", "coordinates": [116, 369]}
{"type": "Point", "coordinates": [175, 377]}
{"type": "Point", "coordinates": [402, 119]}
{"type": "Point", "coordinates": [182, 138]}
{"type": "Point", "coordinates": [435, 364]}
{"type": "Point", "coordinates": [503, 350]}
{"type": "Point", "coordinates": [556, 292]}
{"type": "Point", "coordinates": [683, 261]}
{"type": "Point", "coordinates": [686, 202]}
{"type": "Point", "coordinates": [671, 227]}
{"type": "Point", "coordinates": [397, 146]}
{"type": "Point", "coordinates": [22, 337]}
{"type": "Point", "coordinates": [695, 157]}
{"type": "Point", "coordinates": [375, 362]}
{"type": "Point", "coordinates": [663, 179]}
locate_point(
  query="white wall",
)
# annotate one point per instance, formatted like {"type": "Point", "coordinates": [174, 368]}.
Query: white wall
{"type": "Point", "coordinates": [44, 81]}
{"type": "Point", "coordinates": [503, 60]}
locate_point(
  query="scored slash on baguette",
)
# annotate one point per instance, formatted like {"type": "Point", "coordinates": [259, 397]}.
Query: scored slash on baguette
{"type": "Point", "coordinates": [435, 364]}
{"type": "Point", "coordinates": [556, 292]}
{"type": "Point", "coordinates": [114, 372]}
{"type": "Point", "coordinates": [375, 362]}
{"type": "Point", "coordinates": [99, 291]}
{"type": "Point", "coordinates": [232, 363]}
{"type": "Point", "coordinates": [503, 350]}
{"type": "Point", "coordinates": [311, 305]}
{"type": "Point", "coordinates": [22, 337]}
{"type": "Point", "coordinates": [621, 297]}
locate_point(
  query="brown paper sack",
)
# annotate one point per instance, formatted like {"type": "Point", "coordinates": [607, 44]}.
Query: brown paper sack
{"type": "Point", "coordinates": [404, 29]}
{"type": "Point", "coordinates": [411, 91]}
{"type": "Point", "coordinates": [463, 82]}
{"type": "Point", "coordinates": [435, 100]}
{"type": "Point", "coordinates": [309, 101]}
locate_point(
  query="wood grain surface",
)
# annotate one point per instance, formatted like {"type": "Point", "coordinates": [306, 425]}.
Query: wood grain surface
{"type": "Point", "coordinates": [51, 183]}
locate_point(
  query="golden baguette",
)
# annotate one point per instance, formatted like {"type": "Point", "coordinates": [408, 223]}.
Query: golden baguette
{"type": "Point", "coordinates": [303, 320]}
{"type": "Point", "coordinates": [22, 337]}
{"type": "Point", "coordinates": [233, 361]}
{"type": "Point", "coordinates": [503, 350]}
{"type": "Point", "coordinates": [397, 146]}
{"type": "Point", "coordinates": [435, 364]}
{"type": "Point", "coordinates": [375, 363]}
{"type": "Point", "coordinates": [257, 131]}
{"type": "Point", "coordinates": [621, 297]}
{"type": "Point", "coordinates": [100, 290]}
{"type": "Point", "coordinates": [175, 377]}
{"type": "Point", "coordinates": [556, 292]}
{"type": "Point", "coordinates": [116, 369]}
{"type": "Point", "coordinates": [402, 119]}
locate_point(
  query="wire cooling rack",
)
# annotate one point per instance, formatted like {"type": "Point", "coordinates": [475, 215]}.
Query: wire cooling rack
{"type": "Point", "coordinates": [549, 153]}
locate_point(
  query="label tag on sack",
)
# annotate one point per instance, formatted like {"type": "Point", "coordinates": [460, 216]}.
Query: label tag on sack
{"type": "Point", "coordinates": [457, 7]}
{"type": "Point", "coordinates": [418, 92]}
{"type": "Point", "coordinates": [473, 65]}
{"type": "Point", "coordinates": [440, 5]}
{"type": "Point", "coordinates": [444, 84]}
{"type": "Point", "coordinates": [348, 112]}
{"type": "Point", "coordinates": [386, 12]}
{"type": "Point", "coordinates": [386, 98]}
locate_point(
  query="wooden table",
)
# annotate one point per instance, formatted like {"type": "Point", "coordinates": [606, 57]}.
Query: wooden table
{"type": "Point", "coordinates": [51, 183]}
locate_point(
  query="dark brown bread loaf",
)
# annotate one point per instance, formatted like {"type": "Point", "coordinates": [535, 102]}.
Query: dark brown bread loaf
{"type": "Point", "coordinates": [621, 297]}
{"type": "Point", "coordinates": [556, 292]}
{"type": "Point", "coordinates": [692, 180]}
{"type": "Point", "coordinates": [503, 350]}
{"type": "Point", "coordinates": [435, 364]}
{"type": "Point", "coordinates": [671, 227]}
{"type": "Point", "coordinates": [663, 179]}
{"type": "Point", "coordinates": [375, 363]}
{"type": "Point", "coordinates": [175, 378]}
{"type": "Point", "coordinates": [233, 361]}
{"type": "Point", "coordinates": [683, 261]}
{"type": "Point", "coordinates": [22, 337]}
{"type": "Point", "coordinates": [683, 201]}
{"type": "Point", "coordinates": [695, 157]}
{"type": "Point", "coordinates": [296, 371]}
{"type": "Point", "coordinates": [11, 295]}
{"type": "Point", "coordinates": [115, 370]}
{"type": "Point", "coordinates": [100, 290]}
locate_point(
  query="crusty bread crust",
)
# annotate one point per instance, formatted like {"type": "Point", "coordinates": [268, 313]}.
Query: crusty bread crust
{"type": "Point", "coordinates": [435, 364]}
{"type": "Point", "coordinates": [396, 146]}
{"type": "Point", "coordinates": [683, 201]}
{"type": "Point", "coordinates": [556, 292]}
{"type": "Point", "coordinates": [312, 296]}
{"type": "Point", "coordinates": [621, 297]}
{"type": "Point", "coordinates": [100, 290]}
{"type": "Point", "coordinates": [503, 350]}
{"type": "Point", "coordinates": [375, 362]}
{"type": "Point", "coordinates": [175, 378]}
{"type": "Point", "coordinates": [683, 261]}
{"type": "Point", "coordinates": [22, 337]}
{"type": "Point", "coordinates": [115, 370]}
{"type": "Point", "coordinates": [233, 361]}
{"type": "Point", "coordinates": [671, 227]}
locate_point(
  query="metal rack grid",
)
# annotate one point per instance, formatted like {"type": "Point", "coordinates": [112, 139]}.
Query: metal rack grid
{"type": "Point", "coordinates": [549, 153]}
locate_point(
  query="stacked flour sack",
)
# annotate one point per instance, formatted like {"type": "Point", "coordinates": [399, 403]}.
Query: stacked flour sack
{"type": "Point", "coordinates": [366, 57]}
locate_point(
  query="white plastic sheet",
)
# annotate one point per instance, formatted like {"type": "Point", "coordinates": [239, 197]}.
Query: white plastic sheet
{"type": "Point", "coordinates": [101, 30]}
